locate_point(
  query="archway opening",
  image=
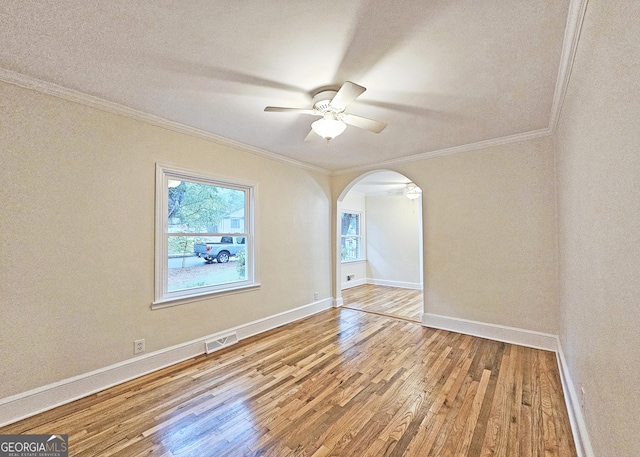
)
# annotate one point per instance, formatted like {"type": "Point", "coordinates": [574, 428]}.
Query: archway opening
{"type": "Point", "coordinates": [379, 246]}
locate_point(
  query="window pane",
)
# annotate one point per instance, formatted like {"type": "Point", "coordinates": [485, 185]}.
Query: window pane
{"type": "Point", "coordinates": [205, 261]}
{"type": "Point", "coordinates": [350, 248]}
{"type": "Point", "coordinates": [350, 224]}
{"type": "Point", "coordinates": [201, 208]}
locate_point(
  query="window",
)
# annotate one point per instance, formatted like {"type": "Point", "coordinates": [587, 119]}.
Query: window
{"type": "Point", "coordinates": [203, 236]}
{"type": "Point", "coordinates": [351, 236]}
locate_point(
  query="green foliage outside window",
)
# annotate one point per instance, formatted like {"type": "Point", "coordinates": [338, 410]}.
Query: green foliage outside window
{"type": "Point", "coordinates": [240, 263]}
{"type": "Point", "coordinates": [195, 207]}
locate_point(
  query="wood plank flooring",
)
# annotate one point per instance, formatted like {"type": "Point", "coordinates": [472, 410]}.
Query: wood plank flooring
{"type": "Point", "coordinates": [340, 383]}
{"type": "Point", "coordinates": [384, 300]}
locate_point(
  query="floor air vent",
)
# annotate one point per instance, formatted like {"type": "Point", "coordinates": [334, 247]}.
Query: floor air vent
{"type": "Point", "coordinates": [227, 340]}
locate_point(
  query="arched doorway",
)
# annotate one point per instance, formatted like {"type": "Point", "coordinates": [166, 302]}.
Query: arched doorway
{"type": "Point", "coordinates": [379, 246]}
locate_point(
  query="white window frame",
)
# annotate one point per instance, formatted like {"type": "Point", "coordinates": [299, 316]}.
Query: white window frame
{"type": "Point", "coordinates": [164, 297]}
{"type": "Point", "coordinates": [363, 250]}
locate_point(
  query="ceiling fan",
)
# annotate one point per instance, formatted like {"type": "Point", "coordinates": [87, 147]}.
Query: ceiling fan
{"type": "Point", "coordinates": [330, 105]}
{"type": "Point", "coordinates": [409, 190]}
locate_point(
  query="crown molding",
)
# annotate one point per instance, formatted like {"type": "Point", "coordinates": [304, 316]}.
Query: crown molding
{"type": "Point", "coordinates": [45, 87]}
{"type": "Point", "coordinates": [452, 150]}
{"type": "Point", "coordinates": [575, 19]}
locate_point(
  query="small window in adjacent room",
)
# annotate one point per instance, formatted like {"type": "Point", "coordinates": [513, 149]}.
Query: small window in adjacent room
{"type": "Point", "coordinates": [351, 236]}
{"type": "Point", "coordinates": [204, 241]}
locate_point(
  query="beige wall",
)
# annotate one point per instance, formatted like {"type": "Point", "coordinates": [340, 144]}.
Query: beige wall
{"type": "Point", "coordinates": [490, 243]}
{"type": "Point", "coordinates": [77, 238]}
{"type": "Point", "coordinates": [394, 228]}
{"type": "Point", "coordinates": [489, 234]}
{"type": "Point", "coordinates": [598, 143]}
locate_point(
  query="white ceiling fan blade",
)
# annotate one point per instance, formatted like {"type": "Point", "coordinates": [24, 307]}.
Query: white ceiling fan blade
{"type": "Point", "coordinates": [347, 93]}
{"type": "Point", "coordinates": [279, 109]}
{"type": "Point", "coordinates": [363, 123]}
{"type": "Point", "coordinates": [311, 136]}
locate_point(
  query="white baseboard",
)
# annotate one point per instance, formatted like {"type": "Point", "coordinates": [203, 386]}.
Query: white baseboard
{"type": "Point", "coordinates": [578, 425]}
{"type": "Point", "coordinates": [399, 284]}
{"type": "Point", "coordinates": [502, 333]}
{"type": "Point", "coordinates": [353, 283]}
{"type": "Point", "coordinates": [381, 282]}
{"type": "Point", "coordinates": [26, 404]}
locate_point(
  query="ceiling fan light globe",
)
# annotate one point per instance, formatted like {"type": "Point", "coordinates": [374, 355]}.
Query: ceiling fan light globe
{"type": "Point", "coordinates": [412, 191]}
{"type": "Point", "coordinates": [328, 128]}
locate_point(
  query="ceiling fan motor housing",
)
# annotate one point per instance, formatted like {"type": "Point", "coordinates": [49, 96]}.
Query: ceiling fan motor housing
{"type": "Point", "coordinates": [322, 100]}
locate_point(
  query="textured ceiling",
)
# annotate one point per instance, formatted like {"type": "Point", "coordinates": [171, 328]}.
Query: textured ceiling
{"type": "Point", "coordinates": [442, 74]}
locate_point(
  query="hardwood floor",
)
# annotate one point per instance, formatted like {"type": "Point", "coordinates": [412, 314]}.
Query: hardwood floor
{"type": "Point", "coordinates": [340, 383]}
{"type": "Point", "coordinates": [387, 301]}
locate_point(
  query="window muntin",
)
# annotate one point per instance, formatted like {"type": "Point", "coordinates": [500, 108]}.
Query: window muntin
{"type": "Point", "coordinates": [351, 240]}
{"type": "Point", "coordinates": [198, 249]}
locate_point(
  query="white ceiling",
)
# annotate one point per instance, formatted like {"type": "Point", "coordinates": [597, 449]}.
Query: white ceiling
{"type": "Point", "coordinates": [443, 74]}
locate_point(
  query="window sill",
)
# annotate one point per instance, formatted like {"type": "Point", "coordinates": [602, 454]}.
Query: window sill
{"type": "Point", "coordinates": [353, 261]}
{"type": "Point", "coordinates": [169, 302]}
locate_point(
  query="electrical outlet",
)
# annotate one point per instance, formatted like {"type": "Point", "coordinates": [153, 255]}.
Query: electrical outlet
{"type": "Point", "coordinates": [350, 277]}
{"type": "Point", "coordinates": [582, 397]}
{"type": "Point", "coordinates": [316, 295]}
{"type": "Point", "coordinates": [138, 346]}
